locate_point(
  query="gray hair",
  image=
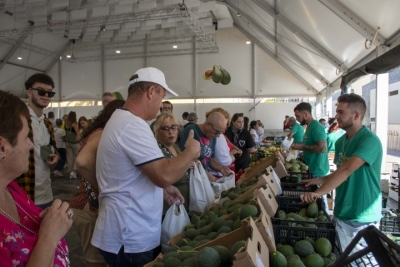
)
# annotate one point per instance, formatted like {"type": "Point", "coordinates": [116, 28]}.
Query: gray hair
{"type": "Point", "coordinates": [292, 119]}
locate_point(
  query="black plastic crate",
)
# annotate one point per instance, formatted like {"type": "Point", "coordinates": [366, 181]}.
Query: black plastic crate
{"type": "Point", "coordinates": [389, 223]}
{"type": "Point", "coordinates": [301, 175]}
{"type": "Point", "coordinates": [379, 251]}
{"type": "Point", "coordinates": [295, 190]}
{"type": "Point", "coordinates": [293, 204]}
{"type": "Point", "coordinates": [287, 235]}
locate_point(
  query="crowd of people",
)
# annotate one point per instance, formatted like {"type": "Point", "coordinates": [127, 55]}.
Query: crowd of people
{"type": "Point", "coordinates": [131, 173]}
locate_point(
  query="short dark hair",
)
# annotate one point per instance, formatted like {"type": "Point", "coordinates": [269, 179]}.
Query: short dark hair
{"type": "Point", "coordinates": [11, 110]}
{"type": "Point", "coordinates": [185, 114]}
{"type": "Point", "coordinates": [303, 106]}
{"type": "Point", "coordinates": [50, 114]}
{"type": "Point", "coordinates": [354, 102]}
{"type": "Point", "coordinates": [321, 120]}
{"type": "Point", "coordinates": [138, 88]}
{"type": "Point", "coordinates": [59, 122]}
{"type": "Point", "coordinates": [39, 78]}
{"type": "Point", "coordinates": [253, 124]}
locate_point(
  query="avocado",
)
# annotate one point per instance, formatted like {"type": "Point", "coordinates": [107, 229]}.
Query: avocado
{"type": "Point", "coordinates": [303, 248]}
{"type": "Point", "coordinates": [227, 77]}
{"type": "Point", "coordinates": [249, 210]}
{"type": "Point", "coordinates": [232, 195]}
{"type": "Point", "coordinates": [323, 246]}
{"type": "Point", "coordinates": [158, 264]}
{"type": "Point", "coordinates": [207, 257]}
{"type": "Point", "coordinates": [286, 250]}
{"type": "Point", "coordinates": [312, 242]}
{"type": "Point", "coordinates": [212, 235]}
{"type": "Point", "coordinates": [189, 226]}
{"type": "Point", "coordinates": [224, 229]}
{"type": "Point", "coordinates": [312, 210]}
{"type": "Point", "coordinates": [277, 259]}
{"type": "Point", "coordinates": [206, 230]}
{"type": "Point", "coordinates": [202, 242]}
{"type": "Point", "coordinates": [170, 249]}
{"type": "Point", "coordinates": [327, 261]}
{"type": "Point", "coordinates": [281, 214]}
{"type": "Point", "coordinates": [218, 223]}
{"type": "Point", "coordinates": [200, 237]}
{"type": "Point", "coordinates": [224, 255]}
{"type": "Point", "coordinates": [303, 212]}
{"type": "Point", "coordinates": [217, 75]}
{"type": "Point", "coordinates": [224, 194]}
{"type": "Point", "coordinates": [189, 262]}
{"type": "Point", "coordinates": [172, 262]}
{"type": "Point", "coordinates": [238, 245]}
{"type": "Point", "coordinates": [182, 242]}
{"type": "Point", "coordinates": [294, 261]}
{"type": "Point", "coordinates": [236, 224]}
{"type": "Point", "coordinates": [191, 233]}
{"type": "Point", "coordinates": [171, 255]}
{"type": "Point", "coordinates": [314, 260]}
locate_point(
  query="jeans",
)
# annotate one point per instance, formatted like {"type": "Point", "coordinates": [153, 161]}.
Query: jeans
{"type": "Point", "coordinates": [347, 230]}
{"type": "Point", "coordinates": [127, 259]}
{"type": "Point", "coordinates": [63, 158]}
{"type": "Point", "coordinates": [324, 203]}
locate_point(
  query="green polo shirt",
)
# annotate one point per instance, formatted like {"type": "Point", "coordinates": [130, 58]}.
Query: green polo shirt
{"type": "Point", "coordinates": [359, 198]}
{"type": "Point", "coordinates": [298, 133]}
{"type": "Point", "coordinates": [331, 139]}
{"type": "Point", "coordinates": [317, 162]}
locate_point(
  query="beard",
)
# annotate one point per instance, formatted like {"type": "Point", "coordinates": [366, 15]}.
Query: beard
{"type": "Point", "coordinates": [36, 103]}
{"type": "Point", "coordinates": [303, 122]}
{"type": "Point", "coordinates": [345, 125]}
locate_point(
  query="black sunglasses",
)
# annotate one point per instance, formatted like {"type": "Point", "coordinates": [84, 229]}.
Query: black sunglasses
{"type": "Point", "coordinates": [216, 132]}
{"type": "Point", "coordinates": [43, 92]}
{"type": "Point", "coordinates": [173, 127]}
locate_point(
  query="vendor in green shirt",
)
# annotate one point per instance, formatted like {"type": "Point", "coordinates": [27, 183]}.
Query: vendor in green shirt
{"type": "Point", "coordinates": [314, 145]}
{"type": "Point", "coordinates": [296, 131]}
{"type": "Point", "coordinates": [358, 156]}
{"type": "Point", "coordinates": [333, 134]}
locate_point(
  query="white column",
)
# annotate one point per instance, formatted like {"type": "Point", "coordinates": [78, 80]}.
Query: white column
{"type": "Point", "coordinates": [382, 109]}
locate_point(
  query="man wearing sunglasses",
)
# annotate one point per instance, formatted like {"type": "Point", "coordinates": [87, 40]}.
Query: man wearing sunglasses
{"type": "Point", "coordinates": [36, 182]}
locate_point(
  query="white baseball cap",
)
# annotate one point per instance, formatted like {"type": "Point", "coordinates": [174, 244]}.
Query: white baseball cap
{"type": "Point", "coordinates": [153, 75]}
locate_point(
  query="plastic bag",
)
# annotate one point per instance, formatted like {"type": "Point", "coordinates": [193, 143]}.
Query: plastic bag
{"type": "Point", "coordinates": [175, 220]}
{"type": "Point", "coordinates": [292, 154]}
{"type": "Point", "coordinates": [201, 192]}
{"type": "Point", "coordinates": [223, 184]}
{"type": "Point", "coordinates": [286, 143]}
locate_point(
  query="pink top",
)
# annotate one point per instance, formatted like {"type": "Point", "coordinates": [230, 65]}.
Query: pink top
{"type": "Point", "coordinates": [17, 243]}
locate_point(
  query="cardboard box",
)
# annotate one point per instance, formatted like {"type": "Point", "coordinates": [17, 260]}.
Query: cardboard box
{"type": "Point", "coordinates": [267, 200]}
{"type": "Point", "coordinates": [264, 225]}
{"type": "Point", "coordinates": [272, 181]}
{"type": "Point", "coordinates": [255, 253]}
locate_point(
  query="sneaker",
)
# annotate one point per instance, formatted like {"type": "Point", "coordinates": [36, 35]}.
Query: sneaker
{"type": "Point", "coordinates": [72, 175]}
{"type": "Point", "coordinates": [57, 173]}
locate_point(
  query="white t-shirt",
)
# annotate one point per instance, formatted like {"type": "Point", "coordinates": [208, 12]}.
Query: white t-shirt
{"type": "Point", "coordinates": [221, 153]}
{"type": "Point", "coordinates": [41, 137]}
{"type": "Point", "coordinates": [130, 204]}
{"type": "Point", "coordinates": [59, 133]}
{"type": "Point", "coordinates": [255, 136]}
{"type": "Point", "coordinates": [260, 133]}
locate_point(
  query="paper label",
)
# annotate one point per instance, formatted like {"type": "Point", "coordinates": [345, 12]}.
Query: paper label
{"type": "Point", "coordinates": [259, 262]}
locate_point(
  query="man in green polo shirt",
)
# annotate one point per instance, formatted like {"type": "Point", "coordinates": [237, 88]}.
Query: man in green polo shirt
{"type": "Point", "coordinates": [314, 145]}
{"type": "Point", "coordinates": [296, 131]}
{"type": "Point", "coordinates": [358, 156]}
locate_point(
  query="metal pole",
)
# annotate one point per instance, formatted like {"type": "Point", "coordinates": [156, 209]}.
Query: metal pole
{"type": "Point", "coordinates": [253, 76]}
{"type": "Point", "coordinates": [194, 68]}
{"type": "Point", "coordinates": [103, 71]}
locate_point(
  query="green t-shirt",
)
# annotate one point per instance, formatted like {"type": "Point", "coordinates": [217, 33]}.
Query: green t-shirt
{"type": "Point", "coordinates": [359, 198]}
{"type": "Point", "coordinates": [298, 133]}
{"type": "Point", "coordinates": [318, 163]}
{"type": "Point", "coordinates": [331, 139]}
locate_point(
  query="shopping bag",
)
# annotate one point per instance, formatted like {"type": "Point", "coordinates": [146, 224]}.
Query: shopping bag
{"type": "Point", "coordinates": [223, 183]}
{"type": "Point", "coordinates": [175, 220]}
{"type": "Point", "coordinates": [292, 154]}
{"type": "Point", "coordinates": [70, 137]}
{"type": "Point", "coordinates": [200, 197]}
{"type": "Point", "coordinates": [286, 143]}
{"type": "Point", "coordinates": [208, 190]}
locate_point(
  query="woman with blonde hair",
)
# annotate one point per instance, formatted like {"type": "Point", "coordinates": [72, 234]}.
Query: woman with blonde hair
{"type": "Point", "coordinates": [29, 236]}
{"type": "Point", "coordinates": [72, 146]}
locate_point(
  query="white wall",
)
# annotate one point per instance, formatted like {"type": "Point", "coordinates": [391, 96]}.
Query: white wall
{"type": "Point", "coordinates": [394, 104]}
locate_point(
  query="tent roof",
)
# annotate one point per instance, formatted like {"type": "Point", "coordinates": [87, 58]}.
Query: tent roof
{"type": "Point", "coordinates": [316, 41]}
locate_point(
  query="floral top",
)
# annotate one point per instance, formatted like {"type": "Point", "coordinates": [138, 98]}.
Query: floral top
{"type": "Point", "coordinates": [17, 243]}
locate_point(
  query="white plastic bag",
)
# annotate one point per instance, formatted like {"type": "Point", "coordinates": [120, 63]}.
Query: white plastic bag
{"type": "Point", "coordinates": [201, 192]}
{"type": "Point", "coordinates": [223, 183]}
{"type": "Point", "coordinates": [292, 154]}
{"type": "Point", "coordinates": [175, 220]}
{"type": "Point", "coordinates": [286, 143]}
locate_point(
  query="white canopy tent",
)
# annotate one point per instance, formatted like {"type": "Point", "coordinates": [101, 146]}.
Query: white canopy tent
{"type": "Point", "coordinates": [298, 48]}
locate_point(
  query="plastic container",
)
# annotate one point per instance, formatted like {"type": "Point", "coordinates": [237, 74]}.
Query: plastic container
{"type": "Point", "coordinates": [389, 223]}
{"type": "Point", "coordinates": [295, 190]}
{"type": "Point", "coordinates": [379, 251]}
{"type": "Point", "coordinates": [293, 204]}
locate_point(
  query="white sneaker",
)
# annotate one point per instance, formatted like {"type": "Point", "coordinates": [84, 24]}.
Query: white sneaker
{"type": "Point", "coordinates": [72, 175]}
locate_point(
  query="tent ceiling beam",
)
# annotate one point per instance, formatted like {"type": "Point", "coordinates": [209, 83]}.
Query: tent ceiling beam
{"type": "Point", "coordinates": [23, 66]}
{"type": "Point", "coordinates": [12, 51]}
{"type": "Point", "coordinates": [57, 58]}
{"type": "Point", "coordinates": [281, 45]}
{"type": "Point", "coordinates": [29, 47]}
{"type": "Point", "coordinates": [277, 59]}
{"type": "Point", "coordinates": [164, 53]}
{"type": "Point", "coordinates": [300, 33]}
{"type": "Point", "coordinates": [354, 21]}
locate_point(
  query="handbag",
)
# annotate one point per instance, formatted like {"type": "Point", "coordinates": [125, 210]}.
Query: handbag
{"type": "Point", "coordinates": [70, 137]}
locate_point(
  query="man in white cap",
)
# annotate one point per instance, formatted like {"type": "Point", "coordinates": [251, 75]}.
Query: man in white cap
{"type": "Point", "coordinates": [134, 176]}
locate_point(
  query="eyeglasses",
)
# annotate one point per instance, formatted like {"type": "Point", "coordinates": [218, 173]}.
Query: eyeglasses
{"type": "Point", "coordinates": [167, 128]}
{"type": "Point", "coordinates": [43, 92]}
{"type": "Point", "coordinates": [216, 132]}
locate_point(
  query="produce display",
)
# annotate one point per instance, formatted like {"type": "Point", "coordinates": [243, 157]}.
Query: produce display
{"type": "Point", "coordinates": [218, 75]}
{"type": "Point", "coordinates": [304, 253]}
{"type": "Point", "coordinates": [305, 217]}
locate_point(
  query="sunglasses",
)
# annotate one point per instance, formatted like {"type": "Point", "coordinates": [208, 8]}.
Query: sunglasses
{"type": "Point", "coordinates": [216, 132]}
{"type": "Point", "coordinates": [43, 92]}
{"type": "Point", "coordinates": [167, 128]}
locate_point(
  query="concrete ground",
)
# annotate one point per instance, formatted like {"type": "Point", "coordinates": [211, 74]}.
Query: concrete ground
{"type": "Point", "coordinates": [64, 188]}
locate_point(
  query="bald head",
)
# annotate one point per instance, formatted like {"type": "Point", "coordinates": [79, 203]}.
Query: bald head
{"type": "Point", "coordinates": [217, 119]}
{"type": "Point", "coordinates": [215, 125]}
